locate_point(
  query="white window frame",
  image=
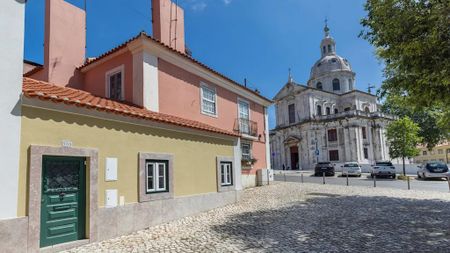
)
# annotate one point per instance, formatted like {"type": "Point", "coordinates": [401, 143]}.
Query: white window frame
{"type": "Point", "coordinates": [239, 101]}
{"type": "Point", "coordinates": [250, 149]}
{"type": "Point", "coordinates": [226, 168]}
{"type": "Point", "coordinates": [155, 187]}
{"type": "Point", "coordinates": [205, 86]}
{"type": "Point", "coordinates": [108, 74]}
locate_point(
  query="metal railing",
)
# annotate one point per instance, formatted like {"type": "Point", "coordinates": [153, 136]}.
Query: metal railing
{"type": "Point", "coordinates": [245, 126]}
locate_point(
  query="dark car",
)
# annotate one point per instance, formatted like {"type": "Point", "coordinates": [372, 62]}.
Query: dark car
{"type": "Point", "coordinates": [322, 167]}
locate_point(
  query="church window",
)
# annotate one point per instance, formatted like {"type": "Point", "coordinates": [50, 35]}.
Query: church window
{"type": "Point", "coordinates": [324, 50]}
{"type": "Point", "coordinates": [346, 109]}
{"type": "Point", "coordinates": [332, 135]}
{"type": "Point", "coordinates": [366, 153]}
{"type": "Point", "coordinates": [334, 155]}
{"type": "Point", "coordinates": [364, 133]}
{"type": "Point", "coordinates": [336, 111]}
{"type": "Point", "coordinates": [350, 84]}
{"type": "Point", "coordinates": [328, 110]}
{"type": "Point", "coordinates": [336, 84]}
{"type": "Point", "coordinates": [319, 86]}
{"type": "Point", "coordinates": [329, 48]}
{"type": "Point", "coordinates": [319, 110]}
{"type": "Point", "coordinates": [367, 109]}
{"type": "Point", "coordinates": [291, 109]}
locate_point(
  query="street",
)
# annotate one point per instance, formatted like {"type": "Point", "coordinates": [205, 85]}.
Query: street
{"type": "Point", "coordinates": [440, 185]}
{"type": "Point", "coordinates": [284, 217]}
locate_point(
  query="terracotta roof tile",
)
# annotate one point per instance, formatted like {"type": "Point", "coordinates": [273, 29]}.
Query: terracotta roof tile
{"type": "Point", "coordinates": [58, 94]}
{"type": "Point", "coordinates": [143, 34]}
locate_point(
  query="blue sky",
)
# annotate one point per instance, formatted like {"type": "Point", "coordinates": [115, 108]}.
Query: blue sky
{"type": "Point", "coordinates": [254, 39]}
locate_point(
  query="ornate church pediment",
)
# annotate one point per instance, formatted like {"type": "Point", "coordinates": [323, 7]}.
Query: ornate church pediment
{"type": "Point", "coordinates": [292, 139]}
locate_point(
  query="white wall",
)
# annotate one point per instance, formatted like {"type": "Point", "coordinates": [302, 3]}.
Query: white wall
{"type": "Point", "coordinates": [11, 67]}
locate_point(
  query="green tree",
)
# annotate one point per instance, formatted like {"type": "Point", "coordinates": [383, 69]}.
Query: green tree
{"type": "Point", "coordinates": [427, 118]}
{"type": "Point", "coordinates": [412, 37]}
{"type": "Point", "coordinates": [403, 137]}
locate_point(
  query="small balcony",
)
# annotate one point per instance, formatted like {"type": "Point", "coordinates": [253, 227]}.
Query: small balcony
{"type": "Point", "coordinates": [246, 127]}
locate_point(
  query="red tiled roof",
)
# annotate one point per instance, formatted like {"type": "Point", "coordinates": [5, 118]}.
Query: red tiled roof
{"type": "Point", "coordinates": [143, 34]}
{"type": "Point", "coordinates": [58, 94]}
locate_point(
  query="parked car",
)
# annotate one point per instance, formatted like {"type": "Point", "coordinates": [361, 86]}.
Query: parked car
{"type": "Point", "coordinates": [322, 167]}
{"type": "Point", "coordinates": [351, 169]}
{"type": "Point", "coordinates": [433, 169]}
{"type": "Point", "coordinates": [383, 169]}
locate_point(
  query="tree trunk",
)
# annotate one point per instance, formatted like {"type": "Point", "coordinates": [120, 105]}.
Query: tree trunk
{"type": "Point", "coordinates": [404, 170]}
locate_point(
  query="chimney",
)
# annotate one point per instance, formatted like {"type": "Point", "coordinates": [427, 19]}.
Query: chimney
{"type": "Point", "coordinates": [64, 43]}
{"type": "Point", "coordinates": [168, 24]}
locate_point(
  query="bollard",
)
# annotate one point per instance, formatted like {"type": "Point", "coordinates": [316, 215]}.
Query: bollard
{"type": "Point", "coordinates": [323, 176]}
{"type": "Point", "coordinates": [374, 181]}
{"type": "Point", "coordinates": [409, 186]}
{"type": "Point", "coordinates": [448, 181]}
{"type": "Point", "coordinates": [268, 177]}
{"type": "Point", "coordinates": [347, 179]}
{"type": "Point", "coordinates": [301, 177]}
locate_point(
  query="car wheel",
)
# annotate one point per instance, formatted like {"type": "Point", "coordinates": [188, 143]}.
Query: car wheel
{"type": "Point", "coordinates": [424, 177]}
{"type": "Point", "coordinates": [359, 175]}
{"type": "Point", "coordinates": [371, 175]}
{"type": "Point", "coordinates": [418, 175]}
{"type": "Point", "coordinates": [393, 177]}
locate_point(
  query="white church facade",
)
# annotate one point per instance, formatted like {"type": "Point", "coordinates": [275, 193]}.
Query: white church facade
{"type": "Point", "coordinates": [327, 119]}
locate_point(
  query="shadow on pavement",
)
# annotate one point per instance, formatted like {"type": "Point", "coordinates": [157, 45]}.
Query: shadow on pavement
{"type": "Point", "coordinates": [334, 223]}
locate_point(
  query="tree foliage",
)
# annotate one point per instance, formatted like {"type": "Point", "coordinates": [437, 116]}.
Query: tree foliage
{"type": "Point", "coordinates": [427, 118]}
{"type": "Point", "coordinates": [412, 37]}
{"type": "Point", "coordinates": [403, 137]}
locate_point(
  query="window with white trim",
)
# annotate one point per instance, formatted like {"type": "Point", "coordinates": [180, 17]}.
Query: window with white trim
{"type": "Point", "coordinates": [209, 105]}
{"type": "Point", "coordinates": [114, 85]}
{"type": "Point", "coordinates": [246, 149]}
{"type": "Point", "coordinates": [226, 173]}
{"type": "Point", "coordinates": [157, 176]}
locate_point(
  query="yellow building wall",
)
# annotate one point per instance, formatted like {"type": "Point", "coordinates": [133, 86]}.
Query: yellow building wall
{"type": "Point", "coordinates": [439, 153]}
{"type": "Point", "coordinates": [194, 156]}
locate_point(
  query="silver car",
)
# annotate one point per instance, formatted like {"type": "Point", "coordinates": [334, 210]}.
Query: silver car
{"type": "Point", "coordinates": [351, 169]}
{"type": "Point", "coordinates": [433, 169]}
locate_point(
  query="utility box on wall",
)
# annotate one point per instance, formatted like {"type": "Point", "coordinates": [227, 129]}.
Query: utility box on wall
{"type": "Point", "coordinates": [264, 177]}
{"type": "Point", "coordinates": [111, 169]}
{"type": "Point", "coordinates": [111, 198]}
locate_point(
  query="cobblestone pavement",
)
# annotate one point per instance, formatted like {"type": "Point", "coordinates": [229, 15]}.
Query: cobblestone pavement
{"type": "Point", "coordinates": [293, 217]}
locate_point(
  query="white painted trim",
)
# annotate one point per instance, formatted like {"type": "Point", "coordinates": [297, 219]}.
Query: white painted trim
{"type": "Point", "coordinates": [11, 67]}
{"type": "Point", "coordinates": [111, 72]}
{"type": "Point", "coordinates": [237, 164]}
{"type": "Point", "coordinates": [210, 87]}
{"type": "Point", "coordinates": [266, 131]}
{"type": "Point", "coordinates": [80, 111]}
{"type": "Point", "coordinates": [150, 82]}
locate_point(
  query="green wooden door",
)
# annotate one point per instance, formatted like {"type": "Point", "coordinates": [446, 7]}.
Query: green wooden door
{"type": "Point", "coordinates": [63, 200]}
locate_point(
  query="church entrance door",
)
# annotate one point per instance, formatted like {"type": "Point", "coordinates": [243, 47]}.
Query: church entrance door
{"type": "Point", "coordinates": [294, 158]}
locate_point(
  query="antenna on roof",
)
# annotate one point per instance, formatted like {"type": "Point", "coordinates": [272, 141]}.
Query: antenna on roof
{"type": "Point", "coordinates": [369, 88]}
{"type": "Point", "coordinates": [245, 82]}
{"type": "Point", "coordinates": [176, 22]}
{"type": "Point", "coordinates": [85, 29]}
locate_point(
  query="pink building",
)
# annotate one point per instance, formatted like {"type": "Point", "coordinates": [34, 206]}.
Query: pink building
{"type": "Point", "coordinates": [156, 73]}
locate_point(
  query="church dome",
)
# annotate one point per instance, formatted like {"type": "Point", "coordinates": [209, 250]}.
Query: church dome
{"type": "Point", "coordinates": [329, 63]}
{"type": "Point", "coordinates": [331, 72]}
